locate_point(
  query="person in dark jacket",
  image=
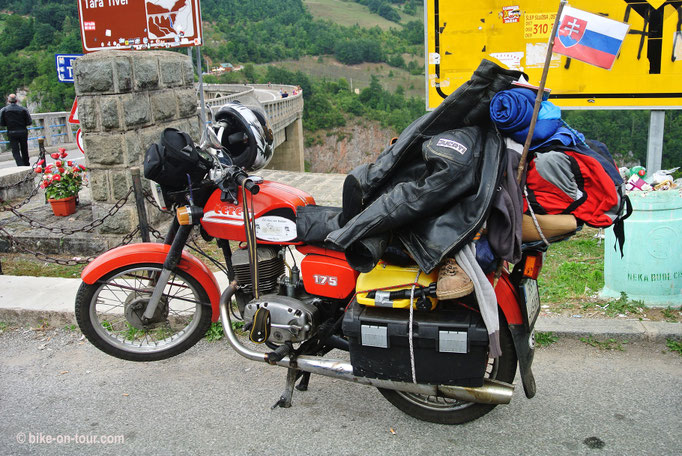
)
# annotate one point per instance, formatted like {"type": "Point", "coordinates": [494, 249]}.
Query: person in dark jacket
{"type": "Point", "coordinates": [16, 118]}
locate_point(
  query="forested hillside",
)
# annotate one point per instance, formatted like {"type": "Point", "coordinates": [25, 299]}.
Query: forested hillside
{"type": "Point", "coordinates": [259, 34]}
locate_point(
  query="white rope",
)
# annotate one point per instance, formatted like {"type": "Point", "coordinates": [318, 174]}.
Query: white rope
{"type": "Point", "coordinates": [414, 371]}
{"type": "Point", "coordinates": [535, 220]}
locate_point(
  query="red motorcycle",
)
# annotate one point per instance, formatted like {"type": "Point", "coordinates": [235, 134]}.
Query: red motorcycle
{"type": "Point", "coordinates": [151, 301]}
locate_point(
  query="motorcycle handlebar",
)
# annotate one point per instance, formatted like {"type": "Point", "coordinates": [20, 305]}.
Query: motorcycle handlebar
{"type": "Point", "coordinates": [242, 179]}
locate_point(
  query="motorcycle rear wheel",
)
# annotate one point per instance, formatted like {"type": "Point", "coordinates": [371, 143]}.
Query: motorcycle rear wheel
{"type": "Point", "coordinates": [109, 311]}
{"type": "Point", "coordinates": [442, 410]}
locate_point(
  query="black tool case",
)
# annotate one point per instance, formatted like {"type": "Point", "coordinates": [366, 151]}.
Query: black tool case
{"type": "Point", "coordinates": [450, 346]}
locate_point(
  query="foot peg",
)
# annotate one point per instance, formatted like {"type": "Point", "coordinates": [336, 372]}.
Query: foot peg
{"type": "Point", "coordinates": [281, 352]}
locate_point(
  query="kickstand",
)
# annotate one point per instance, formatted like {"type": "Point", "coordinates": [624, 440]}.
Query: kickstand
{"type": "Point", "coordinates": [303, 384]}
{"type": "Point", "coordinates": [285, 399]}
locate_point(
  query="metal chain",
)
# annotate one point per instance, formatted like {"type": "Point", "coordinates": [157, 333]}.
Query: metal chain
{"type": "Point", "coordinates": [150, 199]}
{"type": "Point", "coordinates": [17, 206]}
{"type": "Point", "coordinates": [30, 175]}
{"type": "Point", "coordinates": [127, 239]}
{"type": "Point", "coordinates": [85, 228]}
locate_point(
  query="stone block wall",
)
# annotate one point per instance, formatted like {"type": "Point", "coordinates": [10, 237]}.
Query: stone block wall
{"type": "Point", "coordinates": [125, 100]}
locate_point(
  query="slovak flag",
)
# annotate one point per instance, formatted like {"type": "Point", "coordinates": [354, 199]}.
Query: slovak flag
{"type": "Point", "coordinates": [589, 37]}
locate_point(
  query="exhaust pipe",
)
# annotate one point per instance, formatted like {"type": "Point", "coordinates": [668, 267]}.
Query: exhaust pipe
{"type": "Point", "coordinates": [492, 391]}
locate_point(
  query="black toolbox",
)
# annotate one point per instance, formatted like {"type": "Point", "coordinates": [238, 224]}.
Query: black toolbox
{"type": "Point", "coordinates": [450, 346]}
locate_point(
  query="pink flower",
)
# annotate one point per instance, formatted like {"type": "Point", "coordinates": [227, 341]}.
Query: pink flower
{"type": "Point", "coordinates": [81, 167]}
{"type": "Point", "coordinates": [75, 169]}
{"type": "Point", "coordinates": [40, 162]}
{"type": "Point", "coordinates": [39, 169]}
{"type": "Point", "coordinates": [55, 155]}
{"type": "Point", "coordinates": [42, 185]}
{"type": "Point", "coordinates": [61, 170]}
{"type": "Point", "coordinates": [69, 163]}
{"type": "Point", "coordinates": [62, 152]}
{"type": "Point", "coordinates": [58, 163]}
{"type": "Point", "coordinates": [56, 177]}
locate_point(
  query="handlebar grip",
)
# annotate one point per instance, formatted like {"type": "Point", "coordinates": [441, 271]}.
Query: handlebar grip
{"type": "Point", "coordinates": [250, 186]}
{"type": "Point", "coordinates": [243, 179]}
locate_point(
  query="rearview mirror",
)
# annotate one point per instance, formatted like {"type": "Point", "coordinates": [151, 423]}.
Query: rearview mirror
{"type": "Point", "coordinates": [210, 139]}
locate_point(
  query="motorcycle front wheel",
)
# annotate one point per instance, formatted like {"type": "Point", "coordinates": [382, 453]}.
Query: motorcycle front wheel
{"type": "Point", "coordinates": [109, 313]}
{"type": "Point", "coordinates": [442, 410]}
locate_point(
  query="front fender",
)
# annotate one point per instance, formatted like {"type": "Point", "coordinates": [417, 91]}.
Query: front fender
{"type": "Point", "coordinates": [149, 252]}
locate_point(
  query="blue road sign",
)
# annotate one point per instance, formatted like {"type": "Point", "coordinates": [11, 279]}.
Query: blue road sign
{"type": "Point", "coordinates": [64, 64]}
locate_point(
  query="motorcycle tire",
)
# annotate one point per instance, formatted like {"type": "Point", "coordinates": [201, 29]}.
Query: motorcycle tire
{"type": "Point", "coordinates": [108, 313]}
{"type": "Point", "coordinates": [441, 410]}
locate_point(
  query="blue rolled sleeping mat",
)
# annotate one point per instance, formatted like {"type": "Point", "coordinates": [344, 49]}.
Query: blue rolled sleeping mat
{"type": "Point", "coordinates": [511, 111]}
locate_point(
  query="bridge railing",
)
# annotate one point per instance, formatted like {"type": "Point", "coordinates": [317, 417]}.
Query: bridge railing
{"type": "Point", "coordinates": [53, 127]}
{"type": "Point", "coordinates": [281, 111]}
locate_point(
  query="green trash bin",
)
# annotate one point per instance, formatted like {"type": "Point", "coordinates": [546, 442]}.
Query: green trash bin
{"type": "Point", "coordinates": [651, 268]}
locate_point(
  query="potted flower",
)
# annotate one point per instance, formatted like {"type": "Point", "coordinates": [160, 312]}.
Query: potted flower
{"type": "Point", "coordinates": [62, 180]}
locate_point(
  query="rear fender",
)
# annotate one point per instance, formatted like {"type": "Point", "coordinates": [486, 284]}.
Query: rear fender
{"type": "Point", "coordinates": [524, 343]}
{"type": "Point", "coordinates": [508, 300]}
{"type": "Point", "coordinates": [148, 252]}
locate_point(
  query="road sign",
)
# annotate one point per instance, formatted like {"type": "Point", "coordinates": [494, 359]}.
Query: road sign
{"type": "Point", "coordinates": [139, 24]}
{"type": "Point", "coordinates": [73, 117]}
{"type": "Point", "coordinates": [79, 141]}
{"type": "Point", "coordinates": [645, 75]}
{"type": "Point", "coordinates": [64, 63]}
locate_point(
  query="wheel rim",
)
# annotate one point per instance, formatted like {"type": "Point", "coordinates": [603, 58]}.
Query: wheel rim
{"type": "Point", "coordinates": [444, 404]}
{"type": "Point", "coordinates": [113, 319]}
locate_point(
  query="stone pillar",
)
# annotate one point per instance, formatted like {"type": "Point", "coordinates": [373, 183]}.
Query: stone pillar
{"type": "Point", "coordinates": [289, 155]}
{"type": "Point", "coordinates": [125, 100]}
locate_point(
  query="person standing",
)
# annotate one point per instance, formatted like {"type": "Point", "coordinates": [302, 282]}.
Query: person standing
{"type": "Point", "coordinates": [16, 118]}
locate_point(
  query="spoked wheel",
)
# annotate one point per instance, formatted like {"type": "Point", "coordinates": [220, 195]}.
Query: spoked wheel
{"type": "Point", "coordinates": [110, 313]}
{"type": "Point", "coordinates": [442, 410]}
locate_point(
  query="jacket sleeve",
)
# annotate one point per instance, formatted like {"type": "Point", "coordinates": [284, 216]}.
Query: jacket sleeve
{"type": "Point", "coordinates": [2, 118]}
{"type": "Point", "coordinates": [29, 121]}
{"type": "Point", "coordinates": [450, 158]}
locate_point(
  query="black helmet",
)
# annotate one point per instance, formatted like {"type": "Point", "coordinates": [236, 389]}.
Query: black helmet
{"type": "Point", "coordinates": [246, 135]}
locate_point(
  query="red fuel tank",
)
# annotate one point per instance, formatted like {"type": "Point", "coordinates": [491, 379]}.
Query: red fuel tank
{"type": "Point", "coordinates": [274, 207]}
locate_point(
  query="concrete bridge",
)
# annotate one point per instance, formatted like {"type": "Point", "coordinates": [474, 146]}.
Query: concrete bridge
{"type": "Point", "coordinates": [285, 116]}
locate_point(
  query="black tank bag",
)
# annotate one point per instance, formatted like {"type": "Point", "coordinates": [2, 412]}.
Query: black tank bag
{"type": "Point", "coordinates": [174, 161]}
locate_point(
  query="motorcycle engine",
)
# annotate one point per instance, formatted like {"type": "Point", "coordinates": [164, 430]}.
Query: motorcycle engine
{"type": "Point", "coordinates": [270, 268]}
{"type": "Point", "coordinates": [291, 320]}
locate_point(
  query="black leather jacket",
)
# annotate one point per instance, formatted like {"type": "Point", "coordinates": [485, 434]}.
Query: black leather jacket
{"type": "Point", "coordinates": [437, 201]}
{"type": "Point", "coordinates": [432, 197]}
{"type": "Point", "coordinates": [16, 118]}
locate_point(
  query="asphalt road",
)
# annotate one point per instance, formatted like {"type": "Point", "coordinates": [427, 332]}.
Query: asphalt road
{"type": "Point", "coordinates": [211, 401]}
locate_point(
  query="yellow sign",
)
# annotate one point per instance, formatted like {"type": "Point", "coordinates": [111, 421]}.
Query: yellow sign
{"type": "Point", "coordinates": [647, 73]}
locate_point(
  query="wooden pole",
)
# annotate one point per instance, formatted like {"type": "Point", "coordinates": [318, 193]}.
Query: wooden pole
{"type": "Point", "coordinates": [541, 90]}
{"type": "Point", "coordinates": [536, 111]}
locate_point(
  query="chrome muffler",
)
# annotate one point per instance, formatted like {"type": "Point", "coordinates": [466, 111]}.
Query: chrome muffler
{"type": "Point", "coordinates": [492, 391]}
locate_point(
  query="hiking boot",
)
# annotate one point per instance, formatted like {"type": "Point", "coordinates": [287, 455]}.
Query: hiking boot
{"type": "Point", "coordinates": [453, 282]}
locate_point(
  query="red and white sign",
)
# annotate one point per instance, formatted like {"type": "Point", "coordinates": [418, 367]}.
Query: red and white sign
{"type": "Point", "coordinates": [73, 117]}
{"type": "Point", "coordinates": [79, 141]}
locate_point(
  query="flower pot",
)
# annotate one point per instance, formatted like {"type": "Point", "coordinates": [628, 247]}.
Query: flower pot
{"type": "Point", "coordinates": [64, 206]}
